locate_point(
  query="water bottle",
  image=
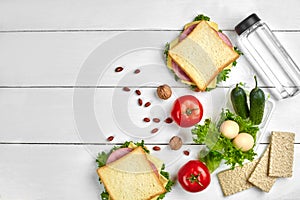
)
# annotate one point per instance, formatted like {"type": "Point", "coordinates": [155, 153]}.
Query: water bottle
{"type": "Point", "coordinates": [268, 57]}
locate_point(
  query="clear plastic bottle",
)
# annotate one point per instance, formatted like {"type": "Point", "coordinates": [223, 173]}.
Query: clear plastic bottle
{"type": "Point", "coordinates": [267, 56]}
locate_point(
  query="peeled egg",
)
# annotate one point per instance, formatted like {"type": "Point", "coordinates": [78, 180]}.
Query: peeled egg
{"type": "Point", "coordinates": [229, 129]}
{"type": "Point", "coordinates": [243, 141]}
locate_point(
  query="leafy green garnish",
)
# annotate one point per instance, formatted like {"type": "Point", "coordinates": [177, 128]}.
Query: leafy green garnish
{"type": "Point", "coordinates": [193, 87]}
{"type": "Point", "coordinates": [211, 158]}
{"type": "Point", "coordinates": [176, 77]}
{"type": "Point", "coordinates": [164, 173]}
{"type": "Point", "coordinates": [220, 148]}
{"type": "Point", "coordinates": [168, 188]}
{"type": "Point", "coordinates": [209, 89]}
{"type": "Point", "coordinates": [166, 51]}
{"type": "Point", "coordinates": [201, 131]}
{"type": "Point", "coordinates": [127, 143]}
{"type": "Point", "coordinates": [169, 185]}
{"type": "Point", "coordinates": [102, 158]}
{"type": "Point", "coordinates": [223, 75]}
{"type": "Point", "coordinates": [104, 195]}
{"type": "Point", "coordinates": [238, 52]}
{"type": "Point", "coordinates": [201, 17]}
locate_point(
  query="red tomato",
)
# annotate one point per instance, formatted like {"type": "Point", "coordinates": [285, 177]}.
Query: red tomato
{"type": "Point", "coordinates": [187, 111]}
{"type": "Point", "coordinates": [194, 176]}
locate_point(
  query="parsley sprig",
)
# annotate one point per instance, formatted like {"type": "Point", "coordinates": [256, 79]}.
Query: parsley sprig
{"type": "Point", "coordinates": [169, 185]}
{"type": "Point", "coordinates": [201, 17]}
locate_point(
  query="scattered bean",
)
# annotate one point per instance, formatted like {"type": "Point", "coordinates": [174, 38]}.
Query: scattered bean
{"type": "Point", "coordinates": [156, 148]}
{"type": "Point", "coordinates": [119, 69]}
{"type": "Point", "coordinates": [146, 119]}
{"type": "Point", "coordinates": [126, 89]}
{"type": "Point", "coordinates": [137, 71]}
{"type": "Point", "coordinates": [147, 104]}
{"type": "Point", "coordinates": [186, 152]}
{"type": "Point", "coordinates": [154, 130]}
{"type": "Point", "coordinates": [110, 138]}
{"type": "Point", "coordinates": [169, 120]}
{"type": "Point", "coordinates": [138, 92]}
{"type": "Point", "coordinates": [156, 120]}
{"type": "Point", "coordinates": [140, 102]}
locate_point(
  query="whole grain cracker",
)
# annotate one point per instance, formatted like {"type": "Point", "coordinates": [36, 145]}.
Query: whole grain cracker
{"type": "Point", "coordinates": [233, 181]}
{"type": "Point", "coordinates": [281, 154]}
{"type": "Point", "coordinates": [259, 176]}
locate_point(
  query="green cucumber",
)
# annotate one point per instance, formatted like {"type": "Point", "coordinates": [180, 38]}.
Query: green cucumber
{"type": "Point", "coordinates": [239, 102]}
{"type": "Point", "coordinates": [257, 104]}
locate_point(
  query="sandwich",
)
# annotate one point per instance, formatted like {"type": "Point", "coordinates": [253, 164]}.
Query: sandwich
{"type": "Point", "coordinates": [130, 172]}
{"type": "Point", "coordinates": [202, 55]}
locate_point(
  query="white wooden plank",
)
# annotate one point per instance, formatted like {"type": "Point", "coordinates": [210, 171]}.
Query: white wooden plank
{"type": "Point", "coordinates": [107, 15]}
{"type": "Point", "coordinates": [47, 172]}
{"type": "Point", "coordinates": [57, 115]}
{"type": "Point", "coordinates": [56, 59]}
{"type": "Point", "coordinates": [69, 172]}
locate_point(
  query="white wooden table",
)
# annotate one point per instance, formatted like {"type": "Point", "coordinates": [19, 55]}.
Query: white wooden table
{"type": "Point", "coordinates": [47, 144]}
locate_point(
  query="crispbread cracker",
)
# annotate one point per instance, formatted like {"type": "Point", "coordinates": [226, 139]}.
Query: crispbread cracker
{"type": "Point", "coordinates": [281, 154]}
{"type": "Point", "coordinates": [233, 181]}
{"type": "Point", "coordinates": [259, 176]}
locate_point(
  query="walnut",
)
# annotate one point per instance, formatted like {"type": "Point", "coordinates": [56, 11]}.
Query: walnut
{"type": "Point", "coordinates": [175, 143]}
{"type": "Point", "coordinates": [164, 92]}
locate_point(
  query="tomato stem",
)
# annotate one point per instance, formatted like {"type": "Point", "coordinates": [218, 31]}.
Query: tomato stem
{"type": "Point", "coordinates": [189, 111]}
{"type": "Point", "coordinates": [194, 178]}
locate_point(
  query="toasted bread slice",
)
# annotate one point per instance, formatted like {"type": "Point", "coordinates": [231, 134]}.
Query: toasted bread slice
{"type": "Point", "coordinates": [202, 55]}
{"type": "Point", "coordinates": [131, 177]}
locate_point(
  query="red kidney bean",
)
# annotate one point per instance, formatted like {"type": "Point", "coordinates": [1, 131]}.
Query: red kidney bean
{"type": "Point", "coordinates": [119, 69]}
{"type": "Point", "coordinates": [138, 92]}
{"type": "Point", "coordinates": [169, 120]}
{"type": "Point", "coordinates": [146, 119]}
{"type": "Point", "coordinates": [140, 102]}
{"type": "Point", "coordinates": [154, 130]}
{"type": "Point", "coordinates": [156, 148]}
{"type": "Point", "coordinates": [147, 104]}
{"type": "Point", "coordinates": [137, 71]}
{"type": "Point", "coordinates": [186, 152]}
{"type": "Point", "coordinates": [110, 138]}
{"type": "Point", "coordinates": [156, 120]}
{"type": "Point", "coordinates": [126, 89]}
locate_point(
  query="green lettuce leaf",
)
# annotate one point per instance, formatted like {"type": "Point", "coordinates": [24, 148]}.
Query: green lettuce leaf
{"type": "Point", "coordinates": [220, 148]}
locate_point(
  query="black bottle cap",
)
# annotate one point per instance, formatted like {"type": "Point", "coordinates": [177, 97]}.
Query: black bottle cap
{"type": "Point", "coordinates": [246, 23]}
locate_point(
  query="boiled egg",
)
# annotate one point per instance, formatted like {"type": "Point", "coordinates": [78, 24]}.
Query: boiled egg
{"type": "Point", "coordinates": [243, 141]}
{"type": "Point", "coordinates": [229, 129]}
